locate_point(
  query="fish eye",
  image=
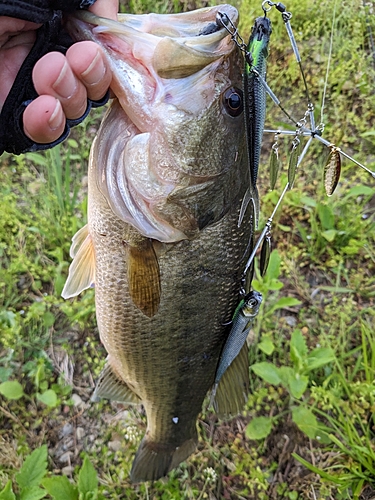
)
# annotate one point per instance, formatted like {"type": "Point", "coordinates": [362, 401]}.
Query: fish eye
{"type": "Point", "coordinates": [233, 101]}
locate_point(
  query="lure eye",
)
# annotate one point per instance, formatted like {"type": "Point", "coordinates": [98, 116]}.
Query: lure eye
{"type": "Point", "coordinates": [233, 101]}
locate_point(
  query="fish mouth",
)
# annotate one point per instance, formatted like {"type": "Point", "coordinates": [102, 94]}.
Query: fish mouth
{"type": "Point", "coordinates": [171, 46]}
{"type": "Point", "coordinates": [169, 73]}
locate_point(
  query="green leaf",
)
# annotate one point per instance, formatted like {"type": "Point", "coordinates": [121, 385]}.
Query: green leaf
{"type": "Point", "coordinates": [267, 371]}
{"type": "Point", "coordinates": [93, 495]}
{"type": "Point", "coordinates": [274, 284]}
{"type": "Point", "coordinates": [259, 428]}
{"type": "Point", "coordinates": [302, 232]}
{"type": "Point", "coordinates": [360, 191]}
{"type": "Point", "coordinates": [329, 235]}
{"type": "Point", "coordinates": [7, 492]}
{"type": "Point", "coordinates": [5, 373]}
{"type": "Point", "coordinates": [267, 346]}
{"type": "Point", "coordinates": [298, 385]}
{"type": "Point", "coordinates": [11, 389]}
{"type": "Point", "coordinates": [39, 375]}
{"type": "Point", "coordinates": [286, 374]}
{"type": "Point", "coordinates": [87, 479]}
{"type": "Point", "coordinates": [60, 488]}
{"type": "Point", "coordinates": [298, 349]}
{"type": "Point", "coordinates": [305, 421]}
{"type": "Point", "coordinates": [316, 470]}
{"type": "Point", "coordinates": [293, 495]}
{"type": "Point", "coordinates": [72, 143]}
{"type": "Point", "coordinates": [306, 200]}
{"type": "Point", "coordinates": [273, 270]}
{"type": "Point", "coordinates": [319, 357]}
{"type": "Point", "coordinates": [33, 469]}
{"type": "Point", "coordinates": [48, 319]}
{"type": "Point", "coordinates": [37, 158]}
{"type": "Point", "coordinates": [336, 289]}
{"type": "Point", "coordinates": [286, 302]}
{"type": "Point", "coordinates": [48, 397]}
{"type": "Point", "coordinates": [326, 216]}
{"type": "Point", "coordinates": [32, 493]}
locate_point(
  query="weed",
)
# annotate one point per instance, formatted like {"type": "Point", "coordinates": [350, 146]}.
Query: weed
{"type": "Point", "coordinates": [32, 482]}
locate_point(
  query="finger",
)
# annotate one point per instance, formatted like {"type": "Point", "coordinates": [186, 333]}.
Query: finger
{"type": "Point", "coordinates": [105, 8]}
{"type": "Point", "coordinates": [52, 75]}
{"type": "Point", "coordinates": [12, 55]}
{"type": "Point", "coordinates": [44, 119]}
{"type": "Point", "coordinates": [90, 65]}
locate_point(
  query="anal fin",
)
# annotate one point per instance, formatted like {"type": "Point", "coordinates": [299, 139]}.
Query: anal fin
{"type": "Point", "coordinates": [230, 394]}
{"type": "Point", "coordinates": [110, 386]}
{"type": "Point", "coordinates": [144, 277]}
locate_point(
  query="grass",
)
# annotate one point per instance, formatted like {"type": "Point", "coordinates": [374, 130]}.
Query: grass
{"type": "Point", "coordinates": [307, 430]}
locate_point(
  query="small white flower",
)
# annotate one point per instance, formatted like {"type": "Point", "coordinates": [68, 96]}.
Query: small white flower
{"type": "Point", "coordinates": [210, 474]}
{"type": "Point", "coordinates": [131, 434]}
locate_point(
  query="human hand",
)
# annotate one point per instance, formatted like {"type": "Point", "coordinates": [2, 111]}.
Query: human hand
{"type": "Point", "coordinates": [62, 82]}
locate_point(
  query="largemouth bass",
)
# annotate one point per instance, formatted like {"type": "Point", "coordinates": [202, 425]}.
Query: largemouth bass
{"type": "Point", "coordinates": [167, 176]}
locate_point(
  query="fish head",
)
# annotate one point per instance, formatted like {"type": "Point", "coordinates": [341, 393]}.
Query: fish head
{"type": "Point", "coordinates": [177, 122]}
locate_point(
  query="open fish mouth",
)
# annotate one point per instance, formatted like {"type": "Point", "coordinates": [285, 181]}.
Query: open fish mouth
{"type": "Point", "coordinates": [151, 47]}
{"type": "Point", "coordinates": [169, 73]}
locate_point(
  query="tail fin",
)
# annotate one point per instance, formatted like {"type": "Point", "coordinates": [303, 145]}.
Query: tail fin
{"type": "Point", "coordinates": [153, 461]}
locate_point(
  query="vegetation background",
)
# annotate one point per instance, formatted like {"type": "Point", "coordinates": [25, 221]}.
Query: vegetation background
{"type": "Point", "coordinates": [307, 431]}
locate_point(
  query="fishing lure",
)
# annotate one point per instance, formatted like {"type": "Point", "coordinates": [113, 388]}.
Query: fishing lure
{"type": "Point", "coordinates": [311, 131]}
{"type": "Point", "coordinates": [254, 91]}
{"type": "Point", "coordinates": [274, 163]}
{"type": "Point", "coordinates": [265, 254]}
{"type": "Point", "coordinates": [256, 53]}
{"type": "Point", "coordinates": [332, 170]}
{"type": "Point", "coordinates": [243, 318]}
{"type": "Point", "coordinates": [293, 160]}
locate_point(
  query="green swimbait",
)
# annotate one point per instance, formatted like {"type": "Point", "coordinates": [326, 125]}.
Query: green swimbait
{"type": "Point", "coordinates": [243, 318]}
{"type": "Point", "coordinates": [255, 92]}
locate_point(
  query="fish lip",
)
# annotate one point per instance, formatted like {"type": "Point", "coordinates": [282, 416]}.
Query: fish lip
{"type": "Point", "coordinates": [179, 27]}
{"type": "Point", "coordinates": [167, 46]}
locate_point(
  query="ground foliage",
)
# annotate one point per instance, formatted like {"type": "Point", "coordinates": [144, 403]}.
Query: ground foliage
{"type": "Point", "coordinates": [312, 350]}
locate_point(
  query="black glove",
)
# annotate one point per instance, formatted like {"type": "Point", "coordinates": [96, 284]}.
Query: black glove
{"type": "Point", "coordinates": [50, 37]}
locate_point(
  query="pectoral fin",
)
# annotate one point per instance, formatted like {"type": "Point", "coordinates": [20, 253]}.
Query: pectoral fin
{"type": "Point", "coordinates": [230, 394]}
{"type": "Point", "coordinates": [82, 269]}
{"type": "Point", "coordinates": [109, 386]}
{"type": "Point", "coordinates": [144, 277]}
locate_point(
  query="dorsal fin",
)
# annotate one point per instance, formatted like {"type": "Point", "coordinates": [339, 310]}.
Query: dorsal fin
{"type": "Point", "coordinates": [82, 269]}
{"type": "Point", "coordinates": [144, 277]}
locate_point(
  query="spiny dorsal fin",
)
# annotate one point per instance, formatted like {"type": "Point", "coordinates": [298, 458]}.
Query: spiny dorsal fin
{"type": "Point", "coordinates": [230, 395]}
{"type": "Point", "coordinates": [144, 277]}
{"type": "Point", "coordinates": [82, 269]}
{"type": "Point", "coordinates": [109, 386]}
